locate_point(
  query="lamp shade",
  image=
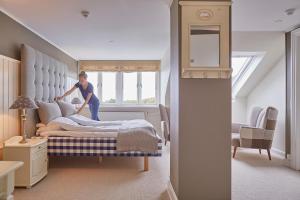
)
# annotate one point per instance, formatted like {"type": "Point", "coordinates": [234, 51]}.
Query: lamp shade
{"type": "Point", "coordinates": [23, 103]}
{"type": "Point", "coordinates": [76, 100]}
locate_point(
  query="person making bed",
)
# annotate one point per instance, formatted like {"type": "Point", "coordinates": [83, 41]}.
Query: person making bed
{"type": "Point", "coordinates": [87, 92]}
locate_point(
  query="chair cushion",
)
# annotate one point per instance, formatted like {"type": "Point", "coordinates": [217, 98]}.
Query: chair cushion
{"type": "Point", "coordinates": [235, 140]}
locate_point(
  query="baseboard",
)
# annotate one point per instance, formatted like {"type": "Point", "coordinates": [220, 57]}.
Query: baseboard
{"type": "Point", "coordinates": [278, 151]}
{"type": "Point", "coordinates": [171, 192]}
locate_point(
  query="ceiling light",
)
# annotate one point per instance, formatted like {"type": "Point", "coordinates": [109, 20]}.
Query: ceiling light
{"type": "Point", "coordinates": [85, 13]}
{"type": "Point", "coordinates": [290, 11]}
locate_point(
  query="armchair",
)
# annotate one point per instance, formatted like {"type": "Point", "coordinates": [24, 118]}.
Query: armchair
{"type": "Point", "coordinates": [259, 133]}
{"type": "Point", "coordinates": [165, 122]}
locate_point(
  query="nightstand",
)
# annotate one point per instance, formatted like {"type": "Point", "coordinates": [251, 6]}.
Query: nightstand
{"type": "Point", "coordinates": [33, 154]}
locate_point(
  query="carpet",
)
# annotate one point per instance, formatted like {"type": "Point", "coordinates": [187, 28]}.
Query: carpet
{"type": "Point", "coordinates": [254, 177]}
{"type": "Point", "coordinates": [115, 178]}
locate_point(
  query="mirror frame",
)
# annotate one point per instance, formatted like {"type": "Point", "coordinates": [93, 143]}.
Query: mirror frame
{"type": "Point", "coordinates": [205, 13]}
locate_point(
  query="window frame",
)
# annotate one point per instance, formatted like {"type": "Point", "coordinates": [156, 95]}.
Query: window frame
{"type": "Point", "coordinates": [119, 90]}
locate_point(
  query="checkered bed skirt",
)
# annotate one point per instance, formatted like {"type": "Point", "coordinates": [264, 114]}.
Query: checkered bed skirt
{"type": "Point", "coordinates": [88, 146]}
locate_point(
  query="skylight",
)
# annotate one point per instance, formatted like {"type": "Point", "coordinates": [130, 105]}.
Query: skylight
{"type": "Point", "coordinates": [243, 65]}
{"type": "Point", "coordinates": [239, 64]}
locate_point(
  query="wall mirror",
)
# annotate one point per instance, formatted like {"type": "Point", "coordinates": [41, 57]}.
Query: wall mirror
{"type": "Point", "coordinates": [205, 39]}
{"type": "Point", "coordinates": [204, 46]}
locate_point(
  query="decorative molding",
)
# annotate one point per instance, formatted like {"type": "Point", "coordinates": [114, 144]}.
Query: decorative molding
{"type": "Point", "coordinates": [295, 96]}
{"type": "Point", "coordinates": [206, 16]}
{"type": "Point", "coordinates": [35, 32]}
{"type": "Point", "coordinates": [205, 3]}
{"type": "Point", "coordinates": [10, 59]}
{"type": "Point", "coordinates": [171, 193]}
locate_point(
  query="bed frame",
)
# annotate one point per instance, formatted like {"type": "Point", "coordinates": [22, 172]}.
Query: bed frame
{"type": "Point", "coordinates": [43, 78]}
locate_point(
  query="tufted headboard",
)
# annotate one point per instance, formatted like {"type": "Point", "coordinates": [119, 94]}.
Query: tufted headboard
{"type": "Point", "coordinates": [42, 79]}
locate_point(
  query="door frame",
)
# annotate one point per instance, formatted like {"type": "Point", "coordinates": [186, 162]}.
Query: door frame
{"type": "Point", "coordinates": [295, 99]}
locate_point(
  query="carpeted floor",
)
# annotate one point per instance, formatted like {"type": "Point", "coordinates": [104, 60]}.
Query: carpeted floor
{"type": "Point", "coordinates": [118, 178]}
{"type": "Point", "coordinates": [254, 177]}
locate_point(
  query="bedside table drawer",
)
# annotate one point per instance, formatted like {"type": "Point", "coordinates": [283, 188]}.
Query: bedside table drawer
{"type": "Point", "coordinates": [40, 147]}
{"type": "Point", "coordinates": [39, 164]}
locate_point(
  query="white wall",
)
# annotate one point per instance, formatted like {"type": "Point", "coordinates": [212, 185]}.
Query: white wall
{"type": "Point", "coordinates": [271, 92]}
{"type": "Point", "coordinates": [164, 78]}
{"type": "Point", "coordinates": [239, 110]}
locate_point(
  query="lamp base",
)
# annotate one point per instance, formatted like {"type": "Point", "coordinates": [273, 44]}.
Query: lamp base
{"type": "Point", "coordinates": [23, 141]}
{"type": "Point", "coordinates": [23, 119]}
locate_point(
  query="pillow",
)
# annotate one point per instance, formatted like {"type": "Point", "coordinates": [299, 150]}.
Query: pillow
{"type": "Point", "coordinates": [66, 109]}
{"type": "Point", "coordinates": [39, 125]}
{"type": "Point", "coordinates": [48, 111]}
{"type": "Point", "coordinates": [50, 127]}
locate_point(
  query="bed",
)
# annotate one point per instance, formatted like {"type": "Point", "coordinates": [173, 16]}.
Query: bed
{"type": "Point", "coordinates": [43, 78]}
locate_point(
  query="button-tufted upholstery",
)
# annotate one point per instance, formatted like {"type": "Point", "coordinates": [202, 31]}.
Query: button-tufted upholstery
{"type": "Point", "coordinates": [42, 79]}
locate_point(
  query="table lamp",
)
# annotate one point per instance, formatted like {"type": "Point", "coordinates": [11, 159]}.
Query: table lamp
{"type": "Point", "coordinates": [76, 101]}
{"type": "Point", "coordinates": [23, 103]}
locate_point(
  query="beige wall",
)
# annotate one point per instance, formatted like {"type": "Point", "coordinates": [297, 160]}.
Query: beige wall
{"type": "Point", "coordinates": [200, 131]}
{"type": "Point", "coordinates": [13, 34]}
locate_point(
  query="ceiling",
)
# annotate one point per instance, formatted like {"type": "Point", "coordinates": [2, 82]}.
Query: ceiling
{"type": "Point", "coordinates": [264, 15]}
{"type": "Point", "coordinates": [131, 29]}
{"type": "Point", "coordinates": [115, 29]}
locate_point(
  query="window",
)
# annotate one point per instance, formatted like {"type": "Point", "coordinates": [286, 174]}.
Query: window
{"type": "Point", "coordinates": [93, 79]}
{"type": "Point", "coordinates": [109, 82]}
{"type": "Point", "coordinates": [126, 88]}
{"type": "Point", "coordinates": [239, 63]}
{"type": "Point", "coordinates": [243, 65]}
{"type": "Point", "coordinates": [148, 85]}
{"type": "Point", "coordinates": [130, 88]}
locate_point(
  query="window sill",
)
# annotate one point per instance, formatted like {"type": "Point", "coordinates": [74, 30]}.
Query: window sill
{"type": "Point", "coordinates": [128, 108]}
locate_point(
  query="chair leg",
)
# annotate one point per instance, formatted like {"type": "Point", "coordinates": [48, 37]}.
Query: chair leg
{"type": "Point", "coordinates": [259, 151]}
{"type": "Point", "coordinates": [234, 151]}
{"type": "Point", "coordinates": [269, 154]}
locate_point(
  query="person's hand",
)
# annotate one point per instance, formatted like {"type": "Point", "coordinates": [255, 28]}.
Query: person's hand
{"type": "Point", "coordinates": [58, 98]}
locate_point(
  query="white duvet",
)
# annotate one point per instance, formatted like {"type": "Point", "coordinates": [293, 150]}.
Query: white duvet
{"type": "Point", "coordinates": [132, 135]}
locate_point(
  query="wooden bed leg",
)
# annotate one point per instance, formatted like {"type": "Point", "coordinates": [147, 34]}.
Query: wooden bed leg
{"type": "Point", "coordinates": [100, 158]}
{"type": "Point", "coordinates": [146, 163]}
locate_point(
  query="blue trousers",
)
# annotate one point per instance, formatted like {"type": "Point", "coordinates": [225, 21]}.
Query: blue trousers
{"type": "Point", "coordinates": [94, 109]}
